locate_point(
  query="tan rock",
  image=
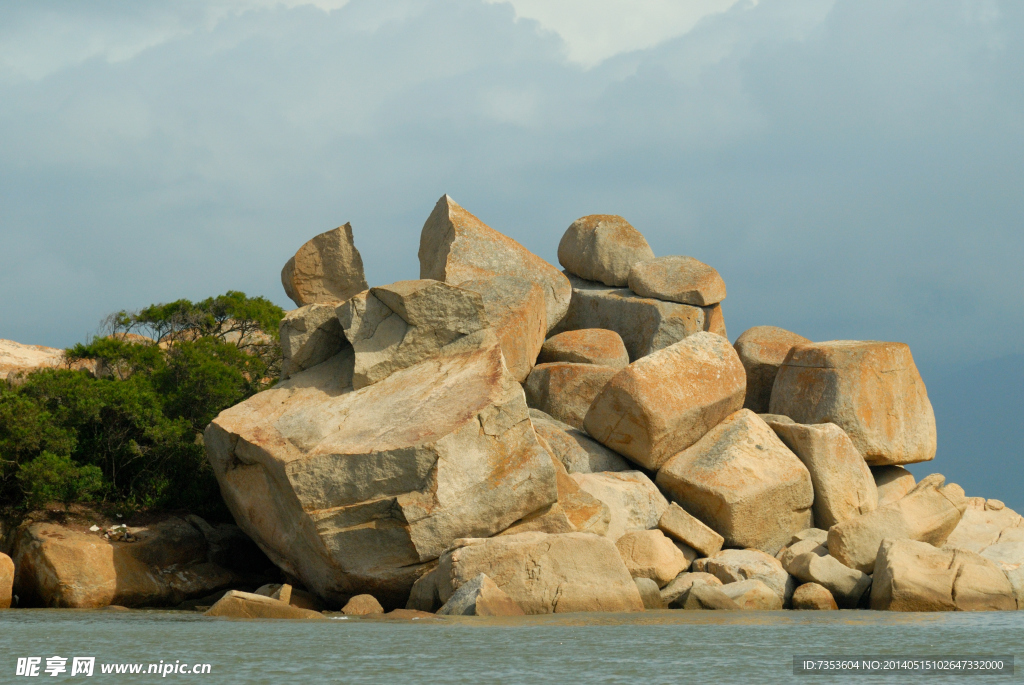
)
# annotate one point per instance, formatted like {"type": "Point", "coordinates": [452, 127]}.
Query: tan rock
{"type": "Point", "coordinates": [679, 525]}
{"type": "Point", "coordinates": [577, 451]}
{"type": "Point", "coordinates": [575, 510]}
{"type": "Point", "coordinates": [813, 597]}
{"type": "Point", "coordinates": [788, 554]}
{"type": "Point", "coordinates": [1008, 555]}
{"type": "Point", "coordinates": [735, 565]}
{"type": "Point", "coordinates": [872, 390]}
{"type": "Point", "coordinates": [517, 311]}
{"type": "Point", "coordinates": [762, 349]}
{"type": "Point", "coordinates": [981, 527]}
{"type": "Point", "coordinates": [18, 359]}
{"type": "Point", "coordinates": [892, 483]}
{"type": "Point", "coordinates": [650, 554]}
{"type": "Point", "coordinates": [294, 596]}
{"type": "Point", "coordinates": [397, 326]}
{"type": "Point", "coordinates": [665, 402]}
{"type": "Point", "coordinates": [602, 247]}
{"type": "Point", "coordinates": [352, 504]}
{"type": "Point", "coordinates": [237, 604]}
{"type": "Point", "coordinates": [404, 615]}
{"type": "Point", "coordinates": [362, 605]}
{"type": "Point", "coordinates": [6, 581]}
{"type": "Point", "coordinates": [677, 279]}
{"type": "Point", "coordinates": [674, 594]}
{"type": "Point", "coordinates": [635, 502]}
{"type": "Point", "coordinates": [915, 576]}
{"type": "Point", "coordinates": [846, 585]}
{"type": "Point", "coordinates": [480, 597]}
{"type": "Point", "coordinates": [649, 594]}
{"type": "Point", "coordinates": [645, 325]}
{"type": "Point", "coordinates": [424, 594]}
{"type": "Point", "coordinates": [326, 269]}
{"type": "Point", "coordinates": [310, 335]}
{"type": "Point", "coordinates": [843, 485]}
{"type": "Point", "coordinates": [753, 595]}
{"type": "Point", "coordinates": [704, 597]}
{"type": "Point", "coordinates": [455, 246]}
{"type": "Point", "coordinates": [929, 513]}
{"type": "Point", "coordinates": [544, 574]}
{"type": "Point", "coordinates": [743, 482]}
{"type": "Point", "coordinates": [564, 390]}
{"type": "Point", "coordinates": [588, 346]}
{"type": "Point", "coordinates": [62, 568]}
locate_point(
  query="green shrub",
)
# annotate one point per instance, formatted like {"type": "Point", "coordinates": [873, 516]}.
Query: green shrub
{"type": "Point", "coordinates": [55, 478]}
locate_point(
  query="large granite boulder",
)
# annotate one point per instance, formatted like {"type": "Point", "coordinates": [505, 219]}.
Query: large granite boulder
{"type": "Point", "coordinates": [355, 491]}
{"type": "Point", "coordinates": [588, 346]}
{"type": "Point", "coordinates": [644, 324]}
{"type": "Point", "coordinates": [752, 595]}
{"type": "Point", "coordinates": [843, 485]}
{"type": "Point", "coordinates": [743, 482]}
{"type": "Point", "coordinates": [705, 597]}
{"type": "Point", "coordinates": [578, 452]}
{"type": "Point", "coordinates": [813, 597]}
{"type": "Point", "coordinates": [64, 568]}
{"type": "Point", "coordinates": [892, 483]}
{"type": "Point", "coordinates": [677, 279]}
{"type": "Point", "coordinates": [982, 526]}
{"type": "Point", "coordinates": [602, 247]}
{"type": "Point", "coordinates": [929, 513]}
{"type": "Point", "coordinates": [916, 576]}
{"type": "Point", "coordinates": [396, 326]}
{"type": "Point", "coordinates": [565, 390]}
{"type": "Point", "coordinates": [650, 554]}
{"type": "Point", "coordinates": [635, 502]}
{"type": "Point", "coordinates": [679, 525]}
{"type": "Point", "coordinates": [544, 574]}
{"type": "Point", "coordinates": [735, 565]}
{"type": "Point", "coordinates": [872, 390]}
{"type": "Point", "coordinates": [517, 312]}
{"type": "Point", "coordinates": [6, 581]}
{"type": "Point", "coordinates": [455, 247]}
{"type": "Point", "coordinates": [238, 604]}
{"type": "Point", "coordinates": [674, 594]}
{"type": "Point", "coordinates": [310, 335]}
{"type": "Point", "coordinates": [326, 269]}
{"type": "Point", "coordinates": [665, 402]}
{"type": "Point", "coordinates": [762, 349]}
{"type": "Point", "coordinates": [480, 597]}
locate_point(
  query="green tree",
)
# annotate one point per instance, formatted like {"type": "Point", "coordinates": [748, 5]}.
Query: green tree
{"type": "Point", "coordinates": [56, 478]}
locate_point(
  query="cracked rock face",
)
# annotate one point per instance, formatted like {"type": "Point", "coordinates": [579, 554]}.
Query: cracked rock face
{"type": "Point", "coordinates": [354, 491]}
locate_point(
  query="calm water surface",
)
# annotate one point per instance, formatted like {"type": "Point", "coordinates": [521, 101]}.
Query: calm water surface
{"type": "Point", "coordinates": [654, 647]}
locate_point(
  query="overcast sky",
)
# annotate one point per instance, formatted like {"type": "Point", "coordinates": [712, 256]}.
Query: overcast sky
{"type": "Point", "coordinates": [854, 169]}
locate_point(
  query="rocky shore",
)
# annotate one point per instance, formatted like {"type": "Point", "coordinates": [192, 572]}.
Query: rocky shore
{"type": "Point", "coordinates": [500, 437]}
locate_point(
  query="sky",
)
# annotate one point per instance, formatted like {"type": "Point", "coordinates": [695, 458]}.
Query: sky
{"type": "Point", "coordinates": [853, 168]}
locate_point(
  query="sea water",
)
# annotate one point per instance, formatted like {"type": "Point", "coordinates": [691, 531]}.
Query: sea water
{"type": "Point", "coordinates": [647, 648]}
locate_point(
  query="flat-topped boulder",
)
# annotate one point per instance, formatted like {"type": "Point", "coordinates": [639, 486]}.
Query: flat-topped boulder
{"type": "Point", "coordinates": [565, 390]}
{"type": "Point", "coordinates": [677, 279]}
{"type": "Point", "coordinates": [238, 604]}
{"type": "Point", "coordinates": [872, 390]}
{"type": "Point", "coordinates": [665, 402]}
{"type": "Point", "coordinates": [326, 269]}
{"type": "Point", "coordinates": [578, 452]}
{"type": "Point", "coordinates": [350, 503]}
{"type": "Point", "coordinates": [310, 335]}
{"type": "Point", "coordinates": [742, 482]}
{"type": "Point", "coordinates": [603, 248]}
{"type": "Point", "coordinates": [516, 310]}
{"type": "Point", "coordinates": [762, 349]}
{"type": "Point", "coordinates": [455, 246]}
{"type": "Point", "coordinates": [588, 346]}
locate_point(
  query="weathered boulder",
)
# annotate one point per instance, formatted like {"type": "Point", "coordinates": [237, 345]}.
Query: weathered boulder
{"type": "Point", "coordinates": [929, 513]}
{"type": "Point", "coordinates": [679, 525]}
{"type": "Point", "coordinates": [665, 402]}
{"type": "Point", "coordinates": [649, 594]}
{"type": "Point", "coordinates": [455, 246]}
{"type": "Point", "coordinates": [843, 485]}
{"type": "Point", "coordinates": [577, 451]}
{"type": "Point", "coordinates": [650, 554]}
{"type": "Point", "coordinates": [981, 527]}
{"type": "Point", "coordinates": [238, 604]}
{"type": "Point", "coordinates": [752, 595]}
{"type": "Point", "coordinates": [515, 308]}
{"type": "Point", "coordinates": [480, 597]}
{"type": "Point", "coordinates": [677, 279]}
{"type": "Point", "coordinates": [294, 596]}
{"type": "Point", "coordinates": [674, 594]}
{"type": "Point", "coordinates": [326, 269]}
{"type": "Point", "coordinates": [762, 349]}
{"type": "Point", "coordinates": [310, 335]}
{"type": "Point", "coordinates": [872, 390]}
{"type": "Point", "coordinates": [734, 565]}
{"type": "Point", "coordinates": [796, 548]}
{"type": "Point", "coordinates": [18, 359]}
{"type": "Point", "coordinates": [813, 597]}
{"type": "Point", "coordinates": [602, 247]}
{"type": "Point", "coordinates": [397, 326]}
{"type": "Point", "coordinates": [743, 482]}
{"type": "Point", "coordinates": [892, 483]}
{"type": "Point", "coordinates": [1008, 555]}
{"type": "Point", "coordinates": [645, 325]}
{"type": "Point", "coordinates": [635, 502]}
{"type": "Point", "coordinates": [588, 346]}
{"type": "Point", "coordinates": [362, 605]}
{"type": "Point", "coordinates": [63, 568]}
{"type": "Point", "coordinates": [352, 504]}
{"type": "Point", "coordinates": [424, 594]}
{"type": "Point", "coordinates": [6, 581]}
{"type": "Point", "coordinates": [544, 574]}
{"type": "Point", "coordinates": [565, 391]}
{"type": "Point", "coordinates": [846, 585]}
{"type": "Point", "coordinates": [704, 597]}
{"type": "Point", "coordinates": [915, 576]}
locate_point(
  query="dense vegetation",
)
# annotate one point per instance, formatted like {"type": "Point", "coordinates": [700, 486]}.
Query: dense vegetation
{"type": "Point", "coordinates": [131, 438]}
